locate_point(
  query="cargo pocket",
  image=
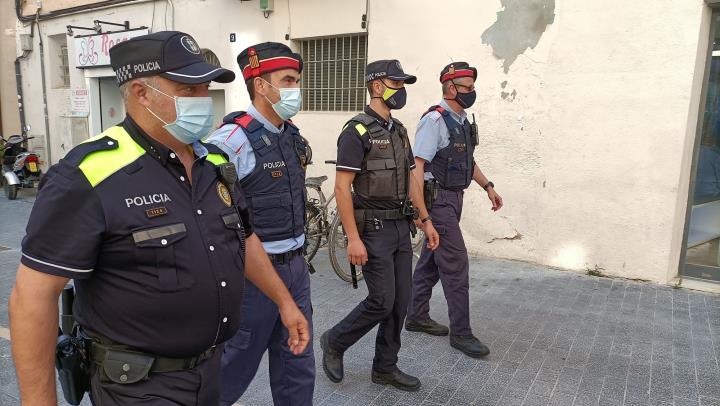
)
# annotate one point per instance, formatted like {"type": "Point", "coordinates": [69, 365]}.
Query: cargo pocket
{"type": "Point", "coordinates": [382, 180]}
{"type": "Point", "coordinates": [155, 253]}
{"type": "Point", "coordinates": [271, 213]}
{"type": "Point", "coordinates": [240, 341]}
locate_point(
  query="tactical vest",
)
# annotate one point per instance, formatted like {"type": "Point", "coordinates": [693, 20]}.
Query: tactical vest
{"type": "Point", "coordinates": [275, 189]}
{"type": "Point", "coordinates": [385, 168]}
{"type": "Point", "coordinates": [452, 166]}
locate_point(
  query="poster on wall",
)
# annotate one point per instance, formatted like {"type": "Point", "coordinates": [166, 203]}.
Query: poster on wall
{"type": "Point", "coordinates": [79, 102]}
{"type": "Point", "coordinates": [93, 51]}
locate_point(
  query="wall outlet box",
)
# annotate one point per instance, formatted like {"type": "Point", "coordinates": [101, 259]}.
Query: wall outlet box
{"type": "Point", "coordinates": [26, 43]}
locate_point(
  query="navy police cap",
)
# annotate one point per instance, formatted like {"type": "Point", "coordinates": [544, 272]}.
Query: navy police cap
{"type": "Point", "coordinates": [267, 57]}
{"type": "Point", "coordinates": [173, 55]}
{"type": "Point", "coordinates": [387, 68]}
{"type": "Point", "coordinates": [457, 70]}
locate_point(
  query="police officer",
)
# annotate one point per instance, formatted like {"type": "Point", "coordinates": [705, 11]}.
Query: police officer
{"type": "Point", "coordinates": [157, 239]}
{"type": "Point", "coordinates": [270, 157]}
{"type": "Point", "coordinates": [375, 159]}
{"type": "Point", "coordinates": [444, 144]}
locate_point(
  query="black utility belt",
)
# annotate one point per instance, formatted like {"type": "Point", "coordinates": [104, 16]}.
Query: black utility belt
{"type": "Point", "coordinates": [368, 214]}
{"type": "Point", "coordinates": [126, 366]}
{"type": "Point", "coordinates": [285, 256]}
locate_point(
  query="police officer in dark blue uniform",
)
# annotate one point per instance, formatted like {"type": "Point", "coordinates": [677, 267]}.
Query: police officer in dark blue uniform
{"type": "Point", "coordinates": [375, 159]}
{"type": "Point", "coordinates": [157, 237]}
{"type": "Point", "coordinates": [270, 156]}
{"type": "Point", "coordinates": [444, 145]}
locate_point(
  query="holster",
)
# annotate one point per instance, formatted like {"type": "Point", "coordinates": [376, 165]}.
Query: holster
{"type": "Point", "coordinates": [430, 191]}
{"type": "Point", "coordinates": [73, 368]}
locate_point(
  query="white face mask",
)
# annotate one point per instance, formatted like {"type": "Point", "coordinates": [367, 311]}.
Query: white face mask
{"type": "Point", "coordinates": [194, 117]}
{"type": "Point", "coordinates": [290, 101]}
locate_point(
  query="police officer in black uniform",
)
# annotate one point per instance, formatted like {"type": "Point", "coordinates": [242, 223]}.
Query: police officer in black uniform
{"type": "Point", "coordinates": [375, 159]}
{"type": "Point", "coordinates": [156, 234]}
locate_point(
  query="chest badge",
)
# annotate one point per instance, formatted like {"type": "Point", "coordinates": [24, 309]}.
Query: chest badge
{"type": "Point", "coordinates": [224, 194]}
{"type": "Point", "coordinates": [276, 174]}
{"type": "Point", "coordinates": [156, 212]}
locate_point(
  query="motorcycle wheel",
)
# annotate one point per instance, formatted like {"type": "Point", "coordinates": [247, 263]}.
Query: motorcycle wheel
{"type": "Point", "coordinates": [11, 191]}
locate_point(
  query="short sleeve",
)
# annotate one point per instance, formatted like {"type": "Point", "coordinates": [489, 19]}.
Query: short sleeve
{"type": "Point", "coordinates": [66, 225]}
{"type": "Point", "coordinates": [233, 141]}
{"type": "Point", "coordinates": [351, 151]}
{"type": "Point", "coordinates": [428, 136]}
{"type": "Point", "coordinates": [411, 158]}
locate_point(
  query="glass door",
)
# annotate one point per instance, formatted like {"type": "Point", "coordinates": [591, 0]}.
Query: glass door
{"type": "Point", "coordinates": [702, 255]}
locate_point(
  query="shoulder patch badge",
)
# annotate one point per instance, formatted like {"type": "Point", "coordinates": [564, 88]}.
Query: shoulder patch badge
{"type": "Point", "coordinates": [224, 194]}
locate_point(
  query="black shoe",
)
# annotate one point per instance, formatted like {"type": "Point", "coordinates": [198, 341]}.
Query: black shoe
{"type": "Point", "coordinates": [332, 360]}
{"type": "Point", "coordinates": [470, 345]}
{"type": "Point", "coordinates": [428, 326]}
{"type": "Point", "coordinates": [398, 379]}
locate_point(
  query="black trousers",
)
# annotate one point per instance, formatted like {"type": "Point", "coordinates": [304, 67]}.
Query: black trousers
{"type": "Point", "coordinates": [388, 275]}
{"type": "Point", "coordinates": [198, 386]}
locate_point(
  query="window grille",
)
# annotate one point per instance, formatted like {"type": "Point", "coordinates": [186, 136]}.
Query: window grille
{"type": "Point", "coordinates": [333, 77]}
{"type": "Point", "coordinates": [64, 66]}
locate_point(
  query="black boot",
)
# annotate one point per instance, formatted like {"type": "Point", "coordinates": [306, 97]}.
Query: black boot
{"type": "Point", "coordinates": [428, 326]}
{"type": "Point", "coordinates": [470, 345]}
{"type": "Point", "coordinates": [398, 379]}
{"type": "Point", "coordinates": [332, 360]}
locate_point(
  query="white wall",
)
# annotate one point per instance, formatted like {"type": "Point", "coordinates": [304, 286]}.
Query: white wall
{"type": "Point", "coordinates": [591, 153]}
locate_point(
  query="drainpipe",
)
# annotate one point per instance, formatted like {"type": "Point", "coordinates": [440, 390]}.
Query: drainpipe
{"type": "Point", "coordinates": [44, 89]}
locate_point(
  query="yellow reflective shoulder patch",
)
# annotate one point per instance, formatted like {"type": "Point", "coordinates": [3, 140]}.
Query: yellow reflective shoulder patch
{"type": "Point", "coordinates": [98, 166]}
{"type": "Point", "coordinates": [216, 159]}
{"type": "Point", "coordinates": [360, 129]}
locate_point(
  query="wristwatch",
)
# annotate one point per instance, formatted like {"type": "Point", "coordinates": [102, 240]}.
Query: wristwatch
{"type": "Point", "coordinates": [487, 185]}
{"type": "Point", "coordinates": [426, 219]}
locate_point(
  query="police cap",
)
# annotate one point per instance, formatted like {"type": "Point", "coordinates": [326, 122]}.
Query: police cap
{"type": "Point", "coordinates": [267, 57]}
{"type": "Point", "coordinates": [457, 70]}
{"type": "Point", "coordinates": [173, 55]}
{"type": "Point", "coordinates": [387, 68]}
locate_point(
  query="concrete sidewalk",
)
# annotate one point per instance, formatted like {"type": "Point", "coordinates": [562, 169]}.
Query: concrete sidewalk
{"type": "Point", "coordinates": [556, 338]}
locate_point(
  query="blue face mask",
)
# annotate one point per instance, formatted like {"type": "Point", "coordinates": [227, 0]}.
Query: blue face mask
{"type": "Point", "coordinates": [290, 101]}
{"type": "Point", "coordinates": [194, 118]}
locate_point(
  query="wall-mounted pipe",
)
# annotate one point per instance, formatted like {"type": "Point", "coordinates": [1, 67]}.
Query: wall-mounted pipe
{"type": "Point", "coordinates": [69, 10]}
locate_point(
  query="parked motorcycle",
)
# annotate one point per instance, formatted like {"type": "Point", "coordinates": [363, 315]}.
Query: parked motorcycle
{"type": "Point", "coordinates": [20, 168]}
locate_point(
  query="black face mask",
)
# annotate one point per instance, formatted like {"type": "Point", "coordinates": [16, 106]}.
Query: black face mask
{"type": "Point", "coordinates": [465, 100]}
{"type": "Point", "coordinates": [394, 97]}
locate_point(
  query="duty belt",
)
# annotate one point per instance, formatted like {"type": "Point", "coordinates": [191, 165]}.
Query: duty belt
{"type": "Point", "coordinates": [395, 214]}
{"type": "Point", "coordinates": [285, 256]}
{"type": "Point", "coordinates": [102, 353]}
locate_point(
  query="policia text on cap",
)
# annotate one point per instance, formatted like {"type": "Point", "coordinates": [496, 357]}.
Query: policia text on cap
{"type": "Point", "coordinates": [159, 284]}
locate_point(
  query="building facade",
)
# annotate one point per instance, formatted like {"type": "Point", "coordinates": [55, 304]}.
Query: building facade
{"type": "Point", "coordinates": [597, 119]}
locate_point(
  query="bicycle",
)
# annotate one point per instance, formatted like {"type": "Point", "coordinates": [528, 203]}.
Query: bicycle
{"type": "Point", "coordinates": [324, 228]}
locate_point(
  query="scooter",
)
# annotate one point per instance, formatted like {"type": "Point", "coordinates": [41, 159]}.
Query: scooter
{"type": "Point", "coordinates": [20, 168]}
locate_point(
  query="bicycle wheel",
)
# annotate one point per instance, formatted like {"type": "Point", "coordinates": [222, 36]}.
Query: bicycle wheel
{"type": "Point", "coordinates": [417, 243]}
{"type": "Point", "coordinates": [337, 243]}
{"type": "Point", "coordinates": [313, 230]}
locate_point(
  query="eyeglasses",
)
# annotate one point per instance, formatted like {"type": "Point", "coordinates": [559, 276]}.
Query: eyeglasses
{"type": "Point", "coordinates": [469, 88]}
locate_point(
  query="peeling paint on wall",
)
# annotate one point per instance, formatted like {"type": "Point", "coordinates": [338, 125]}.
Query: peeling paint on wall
{"type": "Point", "coordinates": [519, 26]}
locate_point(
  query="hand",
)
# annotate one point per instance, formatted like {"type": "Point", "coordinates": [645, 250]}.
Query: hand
{"type": "Point", "coordinates": [297, 325]}
{"type": "Point", "coordinates": [357, 254]}
{"type": "Point", "coordinates": [433, 238]}
{"type": "Point", "coordinates": [419, 224]}
{"type": "Point", "coordinates": [495, 199]}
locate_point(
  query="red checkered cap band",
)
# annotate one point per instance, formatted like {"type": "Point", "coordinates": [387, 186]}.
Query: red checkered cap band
{"type": "Point", "coordinates": [271, 65]}
{"type": "Point", "coordinates": [459, 73]}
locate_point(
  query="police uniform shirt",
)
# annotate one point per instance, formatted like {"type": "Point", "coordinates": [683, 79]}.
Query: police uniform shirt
{"type": "Point", "coordinates": [233, 141]}
{"type": "Point", "coordinates": [432, 133]}
{"type": "Point", "coordinates": [352, 148]}
{"type": "Point", "coordinates": [157, 262]}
